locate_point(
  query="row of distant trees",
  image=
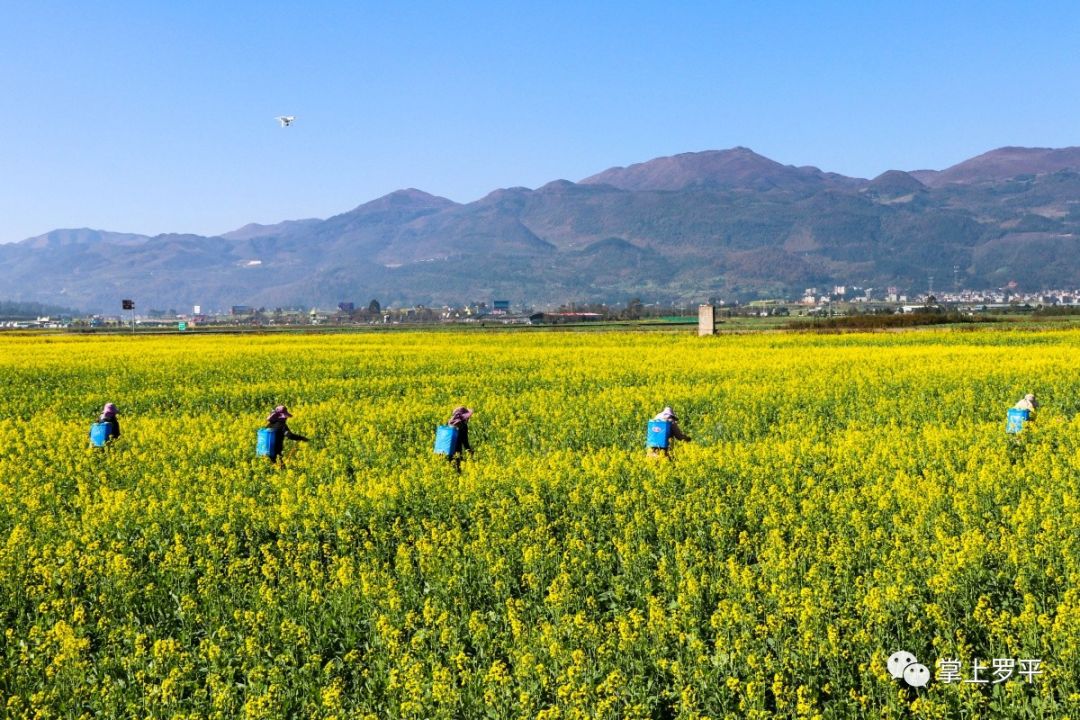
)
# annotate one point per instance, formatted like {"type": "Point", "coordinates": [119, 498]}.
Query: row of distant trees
{"type": "Point", "coordinates": [634, 309]}
{"type": "Point", "coordinates": [12, 310]}
{"type": "Point", "coordinates": [373, 311]}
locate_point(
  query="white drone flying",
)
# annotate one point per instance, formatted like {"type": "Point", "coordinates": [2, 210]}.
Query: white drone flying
{"type": "Point", "coordinates": [285, 120]}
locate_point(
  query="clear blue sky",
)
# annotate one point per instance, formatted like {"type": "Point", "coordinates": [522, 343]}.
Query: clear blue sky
{"type": "Point", "coordinates": [155, 117]}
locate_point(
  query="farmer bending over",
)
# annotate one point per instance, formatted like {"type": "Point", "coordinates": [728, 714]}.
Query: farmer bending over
{"type": "Point", "coordinates": [278, 422]}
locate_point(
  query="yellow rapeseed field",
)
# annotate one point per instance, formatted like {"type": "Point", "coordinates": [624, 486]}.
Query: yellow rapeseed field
{"type": "Point", "coordinates": [845, 497]}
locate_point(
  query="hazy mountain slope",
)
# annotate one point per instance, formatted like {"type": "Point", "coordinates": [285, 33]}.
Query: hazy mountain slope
{"type": "Point", "coordinates": [255, 230]}
{"type": "Point", "coordinates": [82, 236]}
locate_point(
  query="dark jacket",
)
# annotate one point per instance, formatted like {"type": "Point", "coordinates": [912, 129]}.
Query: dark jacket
{"type": "Point", "coordinates": [462, 437]}
{"type": "Point", "coordinates": [676, 432]}
{"type": "Point", "coordinates": [114, 426]}
{"type": "Point", "coordinates": [282, 431]}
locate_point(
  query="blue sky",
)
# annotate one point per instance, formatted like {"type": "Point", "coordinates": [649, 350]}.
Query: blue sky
{"type": "Point", "coordinates": [155, 117]}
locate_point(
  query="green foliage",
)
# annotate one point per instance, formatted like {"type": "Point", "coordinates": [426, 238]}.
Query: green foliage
{"type": "Point", "coordinates": [880, 321]}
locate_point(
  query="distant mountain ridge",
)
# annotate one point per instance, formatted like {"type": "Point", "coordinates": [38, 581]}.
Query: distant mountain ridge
{"type": "Point", "coordinates": [737, 168]}
{"type": "Point", "coordinates": [1003, 164]}
{"type": "Point", "coordinates": [83, 236]}
{"type": "Point", "coordinates": [728, 223]}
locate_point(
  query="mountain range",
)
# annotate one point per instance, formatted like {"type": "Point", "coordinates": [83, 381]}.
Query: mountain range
{"type": "Point", "coordinates": [727, 223]}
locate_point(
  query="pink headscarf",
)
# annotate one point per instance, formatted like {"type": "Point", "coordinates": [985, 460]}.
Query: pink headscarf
{"type": "Point", "coordinates": [280, 413]}
{"type": "Point", "coordinates": [460, 414]}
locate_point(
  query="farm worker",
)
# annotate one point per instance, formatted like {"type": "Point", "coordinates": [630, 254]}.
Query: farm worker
{"type": "Point", "coordinates": [1029, 403]}
{"type": "Point", "coordinates": [278, 421]}
{"type": "Point", "coordinates": [460, 419]}
{"type": "Point", "coordinates": [674, 432]}
{"type": "Point", "coordinates": [108, 416]}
